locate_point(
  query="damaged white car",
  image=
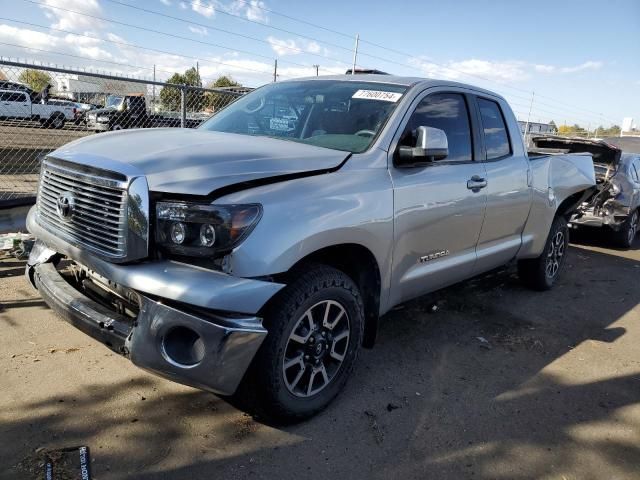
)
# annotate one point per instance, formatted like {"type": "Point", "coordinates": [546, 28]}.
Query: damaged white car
{"type": "Point", "coordinates": [616, 201]}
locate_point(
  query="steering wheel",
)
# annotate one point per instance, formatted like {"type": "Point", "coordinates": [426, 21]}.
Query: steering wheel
{"type": "Point", "coordinates": [365, 133]}
{"type": "Point", "coordinates": [249, 109]}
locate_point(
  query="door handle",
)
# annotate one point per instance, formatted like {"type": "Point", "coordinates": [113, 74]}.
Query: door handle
{"type": "Point", "coordinates": [476, 183]}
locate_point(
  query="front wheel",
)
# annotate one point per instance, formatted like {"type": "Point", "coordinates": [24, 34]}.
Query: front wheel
{"type": "Point", "coordinates": [315, 330]}
{"type": "Point", "coordinates": [542, 272]}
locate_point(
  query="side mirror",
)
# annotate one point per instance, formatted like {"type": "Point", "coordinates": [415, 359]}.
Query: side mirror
{"type": "Point", "coordinates": [431, 145]}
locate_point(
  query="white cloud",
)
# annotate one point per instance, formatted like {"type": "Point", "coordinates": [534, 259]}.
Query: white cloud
{"type": "Point", "coordinates": [283, 46]}
{"type": "Point", "coordinates": [314, 47]}
{"type": "Point", "coordinates": [31, 38]}
{"type": "Point", "coordinates": [504, 72]}
{"type": "Point", "coordinates": [498, 71]}
{"type": "Point", "coordinates": [252, 9]}
{"type": "Point", "coordinates": [289, 46]}
{"type": "Point", "coordinates": [183, 5]}
{"type": "Point", "coordinates": [544, 68]}
{"type": "Point", "coordinates": [198, 30]}
{"type": "Point", "coordinates": [589, 65]}
{"type": "Point", "coordinates": [166, 2]}
{"type": "Point", "coordinates": [68, 20]}
{"type": "Point", "coordinates": [203, 8]}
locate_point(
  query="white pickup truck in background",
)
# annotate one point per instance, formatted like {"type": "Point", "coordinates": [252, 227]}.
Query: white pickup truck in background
{"type": "Point", "coordinates": [16, 104]}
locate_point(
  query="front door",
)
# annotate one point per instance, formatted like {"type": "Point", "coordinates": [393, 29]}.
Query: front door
{"type": "Point", "coordinates": [438, 208]}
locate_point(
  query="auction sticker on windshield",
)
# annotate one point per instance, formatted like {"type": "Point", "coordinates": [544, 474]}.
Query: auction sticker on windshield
{"type": "Point", "coordinates": [377, 95]}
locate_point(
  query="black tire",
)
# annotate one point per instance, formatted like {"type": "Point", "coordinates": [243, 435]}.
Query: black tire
{"type": "Point", "coordinates": [542, 272]}
{"type": "Point", "coordinates": [117, 126]}
{"type": "Point", "coordinates": [267, 381]}
{"type": "Point", "coordinates": [56, 121]}
{"type": "Point", "coordinates": [628, 231]}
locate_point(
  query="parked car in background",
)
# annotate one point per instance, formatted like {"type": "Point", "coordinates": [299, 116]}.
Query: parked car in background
{"type": "Point", "coordinates": [130, 111]}
{"type": "Point", "coordinates": [77, 113]}
{"type": "Point", "coordinates": [80, 111]}
{"type": "Point", "coordinates": [615, 204]}
{"type": "Point", "coordinates": [253, 256]}
{"type": "Point", "coordinates": [18, 105]}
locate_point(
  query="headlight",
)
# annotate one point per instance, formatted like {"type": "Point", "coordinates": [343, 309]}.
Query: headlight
{"type": "Point", "coordinates": [102, 119]}
{"type": "Point", "coordinates": [614, 189]}
{"type": "Point", "coordinates": [203, 230]}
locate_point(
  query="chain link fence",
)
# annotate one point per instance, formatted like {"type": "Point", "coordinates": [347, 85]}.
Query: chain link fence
{"type": "Point", "coordinates": [44, 107]}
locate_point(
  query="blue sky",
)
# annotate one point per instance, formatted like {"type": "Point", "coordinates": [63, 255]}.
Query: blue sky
{"type": "Point", "coordinates": [582, 58]}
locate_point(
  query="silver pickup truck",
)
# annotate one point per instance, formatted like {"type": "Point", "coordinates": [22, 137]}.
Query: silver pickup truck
{"type": "Point", "coordinates": [254, 255]}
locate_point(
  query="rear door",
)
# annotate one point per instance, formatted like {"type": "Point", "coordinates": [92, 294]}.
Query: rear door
{"type": "Point", "coordinates": [438, 212]}
{"type": "Point", "coordinates": [508, 185]}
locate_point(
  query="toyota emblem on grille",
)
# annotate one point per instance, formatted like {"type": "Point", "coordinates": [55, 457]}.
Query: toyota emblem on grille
{"type": "Point", "coordinates": [65, 205]}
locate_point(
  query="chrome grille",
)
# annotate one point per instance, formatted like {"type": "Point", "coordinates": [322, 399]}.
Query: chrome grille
{"type": "Point", "coordinates": [97, 216]}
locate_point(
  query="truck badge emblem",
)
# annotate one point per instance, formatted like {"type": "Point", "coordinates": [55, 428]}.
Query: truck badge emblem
{"type": "Point", "coordinates": [433, 256]}
{"type": "Point", "coordinates": [65, 205]}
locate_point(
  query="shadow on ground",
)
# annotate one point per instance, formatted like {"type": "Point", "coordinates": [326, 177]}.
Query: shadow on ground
{"type": "Point", "coordinates": [454, 389]}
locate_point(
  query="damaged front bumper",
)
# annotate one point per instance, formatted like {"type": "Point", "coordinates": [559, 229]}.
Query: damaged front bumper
{"type": "Point", "coordinates": [194, 326]}
{"type": "Point", "coordinates": [612, 214]}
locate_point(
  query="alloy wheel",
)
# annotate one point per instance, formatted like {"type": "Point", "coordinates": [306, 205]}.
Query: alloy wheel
{"type": "Point", "coordinates": [316, 348]}
{"type": "Point", "coordinates": [555, 255]}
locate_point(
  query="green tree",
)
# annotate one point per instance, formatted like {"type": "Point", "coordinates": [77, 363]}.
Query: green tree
{"type": "Point", "coordinates": [170, 96]}
{"type": "Point", "coordinates": [612, 131]}
{"type": "Point", "coordinates": [217, 101]}
{"type": "Point", "coordinates": [36, 79]}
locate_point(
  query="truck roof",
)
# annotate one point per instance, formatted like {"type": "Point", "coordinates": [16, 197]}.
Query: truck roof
{"type": "Point", "coordinates": [397, 80]}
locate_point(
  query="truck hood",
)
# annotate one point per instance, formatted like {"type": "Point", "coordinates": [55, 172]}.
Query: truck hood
{"type": "Point", "coordinates": [199, 162]}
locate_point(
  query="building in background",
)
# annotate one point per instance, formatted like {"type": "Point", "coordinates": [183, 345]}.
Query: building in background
{"type": "Point", "coordinates": [94, 90]}
{"type": "Point", "coordinates": [534, 127]}
{"type": "Point", "coordinates": [629, 129]}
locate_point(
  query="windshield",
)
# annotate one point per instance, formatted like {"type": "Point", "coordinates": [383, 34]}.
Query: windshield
{"type": "Point", "coordinates": [328, 113]}
{"type": "Point", "coordinates": [114, 101]}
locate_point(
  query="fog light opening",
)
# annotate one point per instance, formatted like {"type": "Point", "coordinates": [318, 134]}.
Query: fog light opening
{"type": "Point", "coordinates": [183, 346]}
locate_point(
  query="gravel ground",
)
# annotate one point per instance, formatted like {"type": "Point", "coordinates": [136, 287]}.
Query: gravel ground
{"type": "Point", "coordinates": [484, 380]}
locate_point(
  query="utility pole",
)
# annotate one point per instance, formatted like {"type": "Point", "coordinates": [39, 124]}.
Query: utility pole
{"type": "Point", "coordinates": [198, 68]}
{"type": "Point", "coordinates": [316, 67]}
{"type": "Point", "coordinates": [355, 54]}
{"type": "Point", "coordinates": [526, 126]}
{"type": "Point", "coordinates": [275, 70]}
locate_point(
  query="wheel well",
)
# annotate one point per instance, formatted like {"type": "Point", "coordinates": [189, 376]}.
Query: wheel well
{"type": "Point", "coordinates": [359, 263]}
{"type": "Point", "coordinates": [570, 204]}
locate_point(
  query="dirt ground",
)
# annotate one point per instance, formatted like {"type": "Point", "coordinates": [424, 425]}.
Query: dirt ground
{"type": "Point", "coordinates": [494, 382]}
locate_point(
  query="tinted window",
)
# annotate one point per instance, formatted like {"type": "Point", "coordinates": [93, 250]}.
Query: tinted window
{"type": "Point", "coordinates": [14, 97]}
{"type": "Point", "coordinates": [496, 138]}
{"type": "Point", "coordinates": [448, 112]}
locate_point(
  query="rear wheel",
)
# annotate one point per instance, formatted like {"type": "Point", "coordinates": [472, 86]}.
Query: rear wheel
{"type": "Point", "coordinates": [56, 121]}
{"type": "Point", "coordinates": [628, 231]}
{"type": "Point", "coordinates": [117, 126]}
{"type": "Point", "coordinates": [315, 331]}
{"type": "Point", "coordinates": [542, 272]}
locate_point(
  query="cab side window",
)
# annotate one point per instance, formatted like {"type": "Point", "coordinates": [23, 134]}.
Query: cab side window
{"type": "Point", "coordinates": [448, 112]}
{"type": "Point", "coordinates": [496, 137]}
